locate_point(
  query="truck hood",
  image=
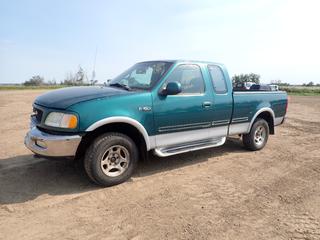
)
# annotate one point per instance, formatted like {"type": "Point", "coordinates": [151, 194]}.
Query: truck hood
{"type": "Point", "coordinates": [65, 97]}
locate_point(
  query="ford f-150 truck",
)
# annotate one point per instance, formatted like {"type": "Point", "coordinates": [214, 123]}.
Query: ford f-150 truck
{"type": "Point", "coordinates": [167, 107]}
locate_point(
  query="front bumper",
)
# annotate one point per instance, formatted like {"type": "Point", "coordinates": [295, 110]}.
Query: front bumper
{"type": "Point", "coordinates": [49, 145]}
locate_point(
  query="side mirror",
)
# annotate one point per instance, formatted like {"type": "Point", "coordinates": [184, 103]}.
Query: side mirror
{"type": "Point", "coordinates": [172, 88]}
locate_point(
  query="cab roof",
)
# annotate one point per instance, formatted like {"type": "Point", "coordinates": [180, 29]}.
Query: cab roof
{"type": "Point", "coordinates": [184, 60]}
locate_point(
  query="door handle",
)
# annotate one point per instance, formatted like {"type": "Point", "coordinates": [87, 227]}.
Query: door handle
{"type": "Point", "coordinates": [206, 104]}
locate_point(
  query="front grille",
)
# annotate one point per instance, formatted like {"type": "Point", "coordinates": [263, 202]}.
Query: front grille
{"type": "Point", "coordinates": [37, 113]}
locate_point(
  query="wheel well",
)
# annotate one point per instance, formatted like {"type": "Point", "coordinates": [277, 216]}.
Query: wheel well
{"type": "Point", "coordinates": [269, 118]}
{"type": "Point", "coordinates": [123, 128]}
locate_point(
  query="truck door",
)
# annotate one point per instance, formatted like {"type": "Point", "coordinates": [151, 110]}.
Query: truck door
{"type": "Point", "coordinates": [222, 102]}
{"type": "Point", "coordinates": [184, 117]}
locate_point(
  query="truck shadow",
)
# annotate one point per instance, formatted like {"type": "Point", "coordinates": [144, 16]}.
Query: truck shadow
{"type": "Point", "coordinates": [157, 164]}
{"type": "Point", "coordinates": [25, 178]}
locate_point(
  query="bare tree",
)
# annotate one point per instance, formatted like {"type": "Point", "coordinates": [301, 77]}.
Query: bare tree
{"type": "Point", "coordinates": [76, 79]}
{"type": "Point", "coordinates": [36, 80]}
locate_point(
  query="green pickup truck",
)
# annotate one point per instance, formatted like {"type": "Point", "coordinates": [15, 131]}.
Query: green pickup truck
{"type": "Point", "coordinates": [167, 107]}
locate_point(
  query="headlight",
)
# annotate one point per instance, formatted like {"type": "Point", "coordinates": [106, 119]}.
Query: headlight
{"type": "Point", "coordinates": [61, 120]}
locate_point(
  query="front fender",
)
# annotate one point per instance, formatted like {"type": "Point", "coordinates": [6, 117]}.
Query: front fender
{"type": "Point", "coordinates": [150, 141]}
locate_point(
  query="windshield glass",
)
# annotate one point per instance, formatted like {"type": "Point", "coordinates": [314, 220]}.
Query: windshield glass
{"type": "Point", "coordinates": [142, 75]}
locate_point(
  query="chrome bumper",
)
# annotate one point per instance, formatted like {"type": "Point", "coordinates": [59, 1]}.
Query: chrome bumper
{"type": "Point", "coordinates": [49, 145]}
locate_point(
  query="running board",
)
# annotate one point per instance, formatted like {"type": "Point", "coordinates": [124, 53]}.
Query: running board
{"type": "Point", "coordinates": [188, 147]}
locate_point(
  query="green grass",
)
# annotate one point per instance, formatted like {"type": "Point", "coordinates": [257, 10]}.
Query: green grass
{"type": "Point", "coordinates": [301, 90]}
{"type": "Point", "coordinates": [22, 87]}
{"type": "Point", "coordinates": [303, 94]}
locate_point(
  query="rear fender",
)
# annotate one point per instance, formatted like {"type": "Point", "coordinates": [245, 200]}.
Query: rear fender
{"type": "Point", "coordinates": [262, 110]}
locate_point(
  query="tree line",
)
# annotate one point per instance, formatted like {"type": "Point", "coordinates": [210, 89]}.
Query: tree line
{"type": "Point", "coordinates": [255, 78]}
{"type": "Point", "coordinates": [78, 78]}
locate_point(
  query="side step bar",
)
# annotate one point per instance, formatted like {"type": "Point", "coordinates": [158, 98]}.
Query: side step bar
{"type": "Point", "coordinates": [191, 146]}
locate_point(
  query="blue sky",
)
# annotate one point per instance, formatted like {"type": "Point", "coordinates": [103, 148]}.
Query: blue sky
{"type": "Point", "coordinates": [277, 39]}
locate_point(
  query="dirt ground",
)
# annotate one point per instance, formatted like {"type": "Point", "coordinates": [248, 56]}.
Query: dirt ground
{"type": "Point", "coordinates": [219, 193]}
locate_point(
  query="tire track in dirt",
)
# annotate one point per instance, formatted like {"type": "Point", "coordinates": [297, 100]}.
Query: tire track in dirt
{"type": "Point", "coordinates": [303, 126]}
{"type": "Point", "coordinates": [283, 200]}
{"type": "Point", "coordinates": [300, 225]}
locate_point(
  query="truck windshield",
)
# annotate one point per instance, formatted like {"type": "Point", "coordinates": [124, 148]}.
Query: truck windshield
{"type": "Point", "coordinates": [142, 75]}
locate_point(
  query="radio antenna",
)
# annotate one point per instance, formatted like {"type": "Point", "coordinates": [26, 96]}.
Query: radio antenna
{"type": "Point", "coordinates": [93, 81]}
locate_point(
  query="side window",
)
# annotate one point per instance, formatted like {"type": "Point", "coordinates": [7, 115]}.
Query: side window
{"type": "Point", "coordinates": [218, 80]}
{"type": "Point", "coordinates": [190, 78]}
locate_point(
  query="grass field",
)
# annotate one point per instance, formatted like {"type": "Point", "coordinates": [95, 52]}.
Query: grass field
{"type": "Point", "coordinates": [301, 90]}
{"type": "Point", "coordinates": [22, 87]}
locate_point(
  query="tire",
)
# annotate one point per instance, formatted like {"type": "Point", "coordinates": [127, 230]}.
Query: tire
{"type": "Point", "coordinates": [258, 136]}
{"type": "Point", "coordinates": [111, 159]}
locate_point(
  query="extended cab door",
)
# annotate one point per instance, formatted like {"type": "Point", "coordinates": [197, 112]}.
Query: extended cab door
{"type": "Point", "coordinates": [222, 102]}
{"type": "Point", "coordinates": [184, 117]}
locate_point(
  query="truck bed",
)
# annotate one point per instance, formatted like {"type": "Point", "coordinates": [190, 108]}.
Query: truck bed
{"type": "Point", "coordinates": [248, 104]}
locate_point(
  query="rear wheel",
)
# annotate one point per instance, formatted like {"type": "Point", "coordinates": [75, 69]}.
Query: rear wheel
{"type": "Point", "coordinates": [111, 159]}
{"type": "Point", "coordinates": [258, 136]}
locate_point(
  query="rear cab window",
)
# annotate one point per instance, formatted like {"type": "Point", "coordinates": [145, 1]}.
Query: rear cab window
{"type": "Point", "coordinates": [218, 79]}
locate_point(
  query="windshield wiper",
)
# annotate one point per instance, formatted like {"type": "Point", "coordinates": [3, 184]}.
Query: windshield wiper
{"type": "Point", "coordinates": [124, 86]}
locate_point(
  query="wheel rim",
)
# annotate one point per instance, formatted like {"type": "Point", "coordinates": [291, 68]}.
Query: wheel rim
{"type": "Point", "coordinates": [260, 135]}
{"type": "Point", "coordinates": [115, 161]}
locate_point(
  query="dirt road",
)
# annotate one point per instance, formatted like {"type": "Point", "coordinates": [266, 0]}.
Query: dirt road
{"type": "Point", "coordinates": [222, 193]}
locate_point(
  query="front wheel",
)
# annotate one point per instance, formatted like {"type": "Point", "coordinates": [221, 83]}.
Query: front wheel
{"type": "Point", "coordinates": [258, 136]}
{"type": "Point", "coordinates": [111, 159]}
